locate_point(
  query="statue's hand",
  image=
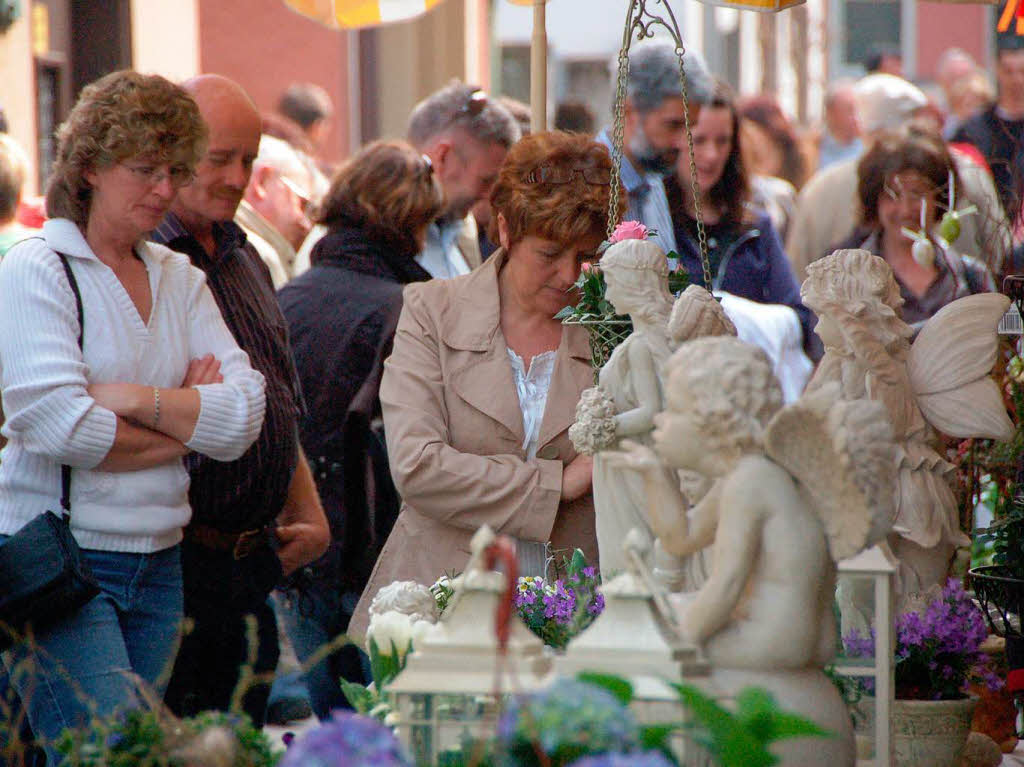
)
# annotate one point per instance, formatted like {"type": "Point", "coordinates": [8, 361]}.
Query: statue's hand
{"type": "Point", "coordinates": [633, 456]}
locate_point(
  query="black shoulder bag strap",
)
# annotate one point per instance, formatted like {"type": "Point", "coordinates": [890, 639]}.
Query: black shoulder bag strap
{"type": "Point", "coordinates": [65, 470]}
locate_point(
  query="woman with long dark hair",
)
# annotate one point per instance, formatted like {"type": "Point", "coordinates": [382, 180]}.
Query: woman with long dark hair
{"type": "Point", "coordinates": [744, 250]}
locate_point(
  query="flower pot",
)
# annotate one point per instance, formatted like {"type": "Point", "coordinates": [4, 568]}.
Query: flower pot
{"type": "Point", "coordinates": [930, 732]}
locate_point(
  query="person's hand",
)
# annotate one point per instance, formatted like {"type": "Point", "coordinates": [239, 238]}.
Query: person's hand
{"type": "Point", "coordinates": [577, 477]}
{"type": "Point", "coordinates": [124, 399]}
{"type": "Point", "coordinates": [300, 544]}
{"type": "Point", "coordinates": [204, 370]}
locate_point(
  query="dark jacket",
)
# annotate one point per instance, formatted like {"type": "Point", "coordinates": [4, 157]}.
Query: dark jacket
{"type": "Point", "coordinates": [1000, 142]}
{"type": "Point", "coordinates": [754, 267]}
{"type": "Point", "coordinates": [341, 316]}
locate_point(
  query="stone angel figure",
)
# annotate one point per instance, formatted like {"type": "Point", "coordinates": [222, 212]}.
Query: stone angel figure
{"type": "Point", "coordinates": [629, 390]}
{"type": "Point", "coordinates": [941, 381]}
{"type": "Point", "coordinates": [796, 489]}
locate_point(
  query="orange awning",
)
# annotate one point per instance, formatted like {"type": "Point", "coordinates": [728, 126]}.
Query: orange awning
{"type": "Point", "coordinates": [353, 14]}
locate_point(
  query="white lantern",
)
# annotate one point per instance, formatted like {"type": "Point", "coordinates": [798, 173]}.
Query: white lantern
{"type": "Point", "coordinates": [635, 638]}
{"type": "Point", "coordinates": [872, 572]}
{"type": "Point", "coordinates": [447, 692]}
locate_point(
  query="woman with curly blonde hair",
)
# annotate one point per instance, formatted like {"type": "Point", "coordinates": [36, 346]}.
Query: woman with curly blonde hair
{"type": "Point", "coordinates": [150, 373]}
{"type": "Point", "coordinates": [482, 384]}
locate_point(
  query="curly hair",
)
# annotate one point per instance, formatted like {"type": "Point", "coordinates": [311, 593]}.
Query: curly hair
{"type": "Point", "coordinates": [862, 284]}
{"type": "Point", "coordinates": [122, 115]}
{"type": "Point", "coordinates": [564, 213]}
{"type": "Point", "coordinates": [731, 392]}
{"type": "Point", "coordinates": [388, 188]}
{"type": "Point", "coordinates": [912, 149]}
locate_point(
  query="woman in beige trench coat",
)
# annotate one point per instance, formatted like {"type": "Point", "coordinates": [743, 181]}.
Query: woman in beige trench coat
{"type": "Point", "coordinates": [471, 439]}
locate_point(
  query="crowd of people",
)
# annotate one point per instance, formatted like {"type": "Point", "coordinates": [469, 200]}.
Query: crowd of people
{"type": "Point", "coordinates": [290, 384]}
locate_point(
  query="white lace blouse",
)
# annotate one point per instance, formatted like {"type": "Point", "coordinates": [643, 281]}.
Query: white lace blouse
{"type": "Point", "coordinates": [532, 387]}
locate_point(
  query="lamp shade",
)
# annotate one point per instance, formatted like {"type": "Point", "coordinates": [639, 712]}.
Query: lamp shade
{"type": "Point", "coordinates": [353, 14]}
{"type": "Point", "coordinates": [765, 6]}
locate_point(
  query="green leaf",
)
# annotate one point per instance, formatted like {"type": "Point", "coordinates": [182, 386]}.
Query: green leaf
{"type": "Point", "coordinates": [760, 714]}
{"type": "Point", "coordinates": [577, 563]}
{"type": "Point", "coordinates": [565, 312]}
{"type": "Point", "coordinates": [616, 685]}
{"type": "Point", "coordinates": [361, 699]}
{"type": "Point", "coordinates": [731, 742]}
{"type": "Point", "coordinates": [655, 736]}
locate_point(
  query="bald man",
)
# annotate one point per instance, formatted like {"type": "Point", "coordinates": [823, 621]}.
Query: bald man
{"type": "Point", "coordinates": [259, 518]}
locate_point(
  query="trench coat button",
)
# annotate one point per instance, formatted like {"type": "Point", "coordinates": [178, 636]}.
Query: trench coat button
{"type": "Point", "coordinates": [548, 453]}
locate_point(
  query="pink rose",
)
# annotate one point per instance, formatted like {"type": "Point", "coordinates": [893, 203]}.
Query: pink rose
{"type": "Point", "coordinates": [629, 230]}
{"type": "Point", "coordinates": [587, 266]}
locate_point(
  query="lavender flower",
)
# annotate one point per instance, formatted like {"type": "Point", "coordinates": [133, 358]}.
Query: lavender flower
{"type": "Point", "coordinates": [347, 740]}
{"type": "Point", "coordinates": [937, 646]}
{"type": "Point", "coordinates": [557, 611]}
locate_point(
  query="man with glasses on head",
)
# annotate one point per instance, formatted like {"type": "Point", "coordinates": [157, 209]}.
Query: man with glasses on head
{"type": "Point", "coordinates": [654, 133]}
{"type": "Point", "coordinates": [273, 211]}
{"type": "Point", "coordinates": [466, 135]}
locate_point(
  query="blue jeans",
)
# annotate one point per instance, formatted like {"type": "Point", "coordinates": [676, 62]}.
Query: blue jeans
{"type": "Point", "coordinates": [83, 666]}
{"type": "Point", "coordinates": [312, 619]}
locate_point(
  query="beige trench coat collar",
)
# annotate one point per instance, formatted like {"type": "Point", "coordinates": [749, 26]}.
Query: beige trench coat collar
{"type": "Point", "coordinates": [473, 324]}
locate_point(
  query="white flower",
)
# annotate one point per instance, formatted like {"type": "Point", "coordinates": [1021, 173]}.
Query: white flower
{"type": "Point", "coordinates": [406, 597]}
{"type": "Point", "coordinates": [419, 630]}
{"type": "Point", "coordinates": [392, 719]}
{"type": "Point", "coordinates": [392, 631]}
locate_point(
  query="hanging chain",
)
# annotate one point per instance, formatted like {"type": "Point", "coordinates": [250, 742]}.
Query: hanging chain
{"type": "Point", "coordinates": [702, 235]}
{"type": "Point", "coordinates": [618, 136]}
{"type": "Point", "coordinates": [635, 20]}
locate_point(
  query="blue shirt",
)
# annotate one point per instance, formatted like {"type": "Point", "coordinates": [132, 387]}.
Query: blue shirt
{"type": "Point", "coordinates": [647, 202]}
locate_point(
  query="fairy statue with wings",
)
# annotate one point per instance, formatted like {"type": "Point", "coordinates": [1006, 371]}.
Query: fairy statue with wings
{"type": "Point", "coordinates": [940, 382]}
{"type": "Point", "coordinates": [796, 489]}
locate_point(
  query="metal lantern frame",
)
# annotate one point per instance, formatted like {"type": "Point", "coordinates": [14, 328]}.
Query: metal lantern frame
{"type": "Point", "coordinates": [875, 564]}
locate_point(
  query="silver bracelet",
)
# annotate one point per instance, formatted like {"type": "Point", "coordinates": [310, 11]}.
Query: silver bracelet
{"type": "Point", "coordinates": [156, 406]}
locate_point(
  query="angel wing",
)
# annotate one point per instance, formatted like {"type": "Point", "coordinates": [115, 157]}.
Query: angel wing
{"type": "Point", "coordinates": [843, 455]}
{"type": "Point", "coordinates": [949, 365]}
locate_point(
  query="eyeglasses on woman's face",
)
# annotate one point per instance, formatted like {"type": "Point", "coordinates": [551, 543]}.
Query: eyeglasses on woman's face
{"type": "Point", "coordinates": [592, 173]}
{"type": "Point", "coordinates": [152, 175]}
{"type": "Point", "coordinates": [910, 188]}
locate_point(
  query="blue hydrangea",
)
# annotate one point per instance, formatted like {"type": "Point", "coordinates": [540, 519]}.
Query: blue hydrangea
{"type": "Point", "coordinates": [569, 717]}
{"type": "Point", "coordinates": [619, 759]}
{"type": "Point", "coordinates": [347, 740]}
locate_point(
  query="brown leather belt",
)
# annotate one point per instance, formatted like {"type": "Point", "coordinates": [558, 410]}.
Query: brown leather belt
{"type": "Point", "coordinates": [240, 544]}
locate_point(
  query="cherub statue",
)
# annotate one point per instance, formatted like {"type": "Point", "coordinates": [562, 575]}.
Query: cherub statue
{"type": "Point", "coordinates": [797, 489]}
{"type": "Point", "coordinates": [629, 390]}
{"type": "Point", "coordinates": [941, 381]}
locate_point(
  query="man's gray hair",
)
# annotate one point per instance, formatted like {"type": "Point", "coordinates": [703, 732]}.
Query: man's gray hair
{"type": "Point", "coordinates": [448, 108]}
{"type": "Point", "coordinates": [654, 76]}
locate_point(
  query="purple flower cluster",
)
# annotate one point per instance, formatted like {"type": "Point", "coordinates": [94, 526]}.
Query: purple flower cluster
{"type": "Point", "coordinates": [937, 648]}
{"type": "Point", "coordinates": [346, 740]}
{"type": "Point", "coordinates": [558, 611]}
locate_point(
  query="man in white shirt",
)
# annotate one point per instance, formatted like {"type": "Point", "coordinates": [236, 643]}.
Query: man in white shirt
{"type": "Point", "coordinates": [465, 134]}
{"type": "Point", "coordinates": [273, 211]}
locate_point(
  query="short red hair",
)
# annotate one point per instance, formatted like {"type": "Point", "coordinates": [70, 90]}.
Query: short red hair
{"type": "Point", "coordinates": [565, 213]}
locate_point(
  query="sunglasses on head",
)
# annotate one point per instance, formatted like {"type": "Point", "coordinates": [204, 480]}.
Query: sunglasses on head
{"type": "Point", "coordinates": [593, 174]}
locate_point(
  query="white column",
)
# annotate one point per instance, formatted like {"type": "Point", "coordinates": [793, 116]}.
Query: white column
{"type": "Point", "coordinates": [154, 23]}
{"type": "Point", "coordinates": [908, 37]}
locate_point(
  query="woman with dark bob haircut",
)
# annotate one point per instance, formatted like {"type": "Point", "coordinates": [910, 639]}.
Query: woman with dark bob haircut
{"type": "Point", "coordinates": [151, 373]}
{"type": "Point", "coordinates": [745, 252]}
{"type": "Point", "coordinates": [482, 384]}
{"type": "Point", "coordinates": [899, 176]}
{"type": "Point", "coordinates": [342, 315]}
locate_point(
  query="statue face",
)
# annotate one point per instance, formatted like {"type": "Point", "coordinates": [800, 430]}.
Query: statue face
{"type": "Point", "coordinates": [677, 435]}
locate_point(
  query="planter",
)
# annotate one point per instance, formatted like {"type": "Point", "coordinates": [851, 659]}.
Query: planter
{"type": "Point", "coordinates": [930, 732]}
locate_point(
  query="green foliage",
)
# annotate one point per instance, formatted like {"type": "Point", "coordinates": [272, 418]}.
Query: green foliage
{"type": "Point", "coordinates": [591, 287]}
{"type": "Point", "coordinates": [149, 739]}
{"type": "Point", "coordinates": [741, 739]}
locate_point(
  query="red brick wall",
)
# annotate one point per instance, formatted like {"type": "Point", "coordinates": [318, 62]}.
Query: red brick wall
{"type": "Point", "coordinates": [267, 47]}
{"type": "Point", "coordinates": [947, 25]}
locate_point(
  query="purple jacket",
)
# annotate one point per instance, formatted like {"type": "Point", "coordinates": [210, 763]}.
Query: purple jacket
{"type": "Point", "coordinates": [754, 267]}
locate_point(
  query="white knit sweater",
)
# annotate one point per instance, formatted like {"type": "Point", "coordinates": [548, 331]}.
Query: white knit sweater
{"type": "Point", "coordinates": [51, 419]}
